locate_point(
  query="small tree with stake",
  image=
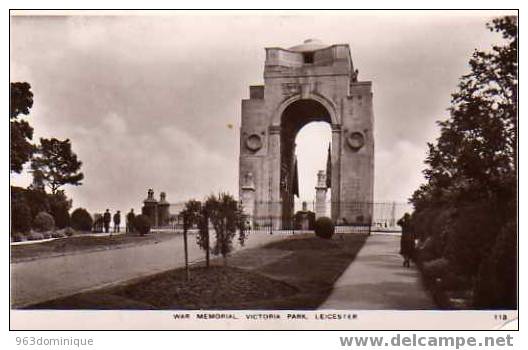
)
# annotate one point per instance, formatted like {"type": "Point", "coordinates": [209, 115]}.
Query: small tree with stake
{"type": "Point", "coordinates": [190, 216]}
{"type": "Point", "coordinates": [226, 216]}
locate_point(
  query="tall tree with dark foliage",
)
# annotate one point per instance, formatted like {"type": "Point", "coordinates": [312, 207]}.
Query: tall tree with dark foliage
{"type": "Point", "coordinates": [21, 133]}
{"type": "Point", "coordinates": [472, 176]}
{"type": "Point", "coordinates": [57, 164]}
{"type": "Point", "coordinates": [475, 155]}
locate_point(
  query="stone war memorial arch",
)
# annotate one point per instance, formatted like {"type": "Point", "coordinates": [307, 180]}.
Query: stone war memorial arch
{"type": "Point", "coordinates": [306, 83]}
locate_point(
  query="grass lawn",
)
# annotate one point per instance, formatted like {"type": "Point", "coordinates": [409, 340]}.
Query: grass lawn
{"type": "Point", "coordinates": [296, 273]}
{"type": "Point", "coordinates": [76, 244]}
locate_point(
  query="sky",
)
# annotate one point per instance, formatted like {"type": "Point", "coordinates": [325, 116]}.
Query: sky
{"type": "Point", "coordinates": [152, 101]}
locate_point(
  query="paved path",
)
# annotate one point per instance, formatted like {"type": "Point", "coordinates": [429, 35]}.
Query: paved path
{"type": "Point", "coordinates": [49, 278]}
{"type": "Point", "coordinates": [376, 280]}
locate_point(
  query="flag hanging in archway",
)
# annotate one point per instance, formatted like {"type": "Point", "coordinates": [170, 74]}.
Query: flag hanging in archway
{"type": "Point", "coordinates": [329, 168]}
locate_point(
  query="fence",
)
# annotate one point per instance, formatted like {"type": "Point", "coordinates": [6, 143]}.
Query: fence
{"type": "Point", "coordinates": [355, 217]}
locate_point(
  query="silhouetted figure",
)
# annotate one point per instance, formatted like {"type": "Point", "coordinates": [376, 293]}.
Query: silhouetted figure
{"type": "Point", "coordinates": [117, 221]}
{"type": "Point", "coordinates": [106, 218]}
{"type": "Point", "coordinates": [407, 239]}
{"type": "Point", "coordinates": [130, 221]}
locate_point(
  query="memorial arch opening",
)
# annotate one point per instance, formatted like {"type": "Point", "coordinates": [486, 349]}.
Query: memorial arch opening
{"type": "Point", "coordinates": [306, 83]}
{"type": "Point", "coordinates": [296, 115]}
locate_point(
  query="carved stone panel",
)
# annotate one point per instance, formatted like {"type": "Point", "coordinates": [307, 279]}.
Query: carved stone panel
{"type": "Point", "coordinates": [254, 142]}
{"type": "Point", "coordinates": [289, 89]}
{"type": "Point", "coordinates": [355, 140]}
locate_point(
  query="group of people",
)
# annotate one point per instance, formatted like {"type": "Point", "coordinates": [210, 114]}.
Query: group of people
{"type": "Point", "coordinates": [107, 219]}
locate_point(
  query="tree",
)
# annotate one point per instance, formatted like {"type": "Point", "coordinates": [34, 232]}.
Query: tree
{"type": "Point", "coordinates": [59, 206]}
{"type": "Point", "coordinates": [192, 211]}
{"type": "Point", "coordinates": [472, 175]}
{"type": "Point", "coordinates": [38, 182]}
{"type": "Point", "coordinates": [191, 215]}
{"type": "Point", "coordinates": [497, 279]}
{"type": "Point", "coordinates": [196, 214]}
{"type": "Point", "coordinates": [20, 132]}
{"type": "Point", "coordinates": [20, 215]}
{"type": "Point", "coordinates": [37, 201]}
{"type": "Point", "coordinates": [203, 234]}
{"type": "Point", "coordinates": [475, 155]}
{"type": "Point", "coordinates": [227, 218]}
{"type": "Point", "coordinates": [57, 164]}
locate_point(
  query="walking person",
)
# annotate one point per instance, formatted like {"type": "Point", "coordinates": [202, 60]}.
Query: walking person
{"type": "Point", "coordinates": [130, 221]}
{"type": "Point", "coordinates": [106, 220]}
{"type": "Point", "coordinates": [407, 239]}
{"type": "Point", "coordinates": [117, 221]}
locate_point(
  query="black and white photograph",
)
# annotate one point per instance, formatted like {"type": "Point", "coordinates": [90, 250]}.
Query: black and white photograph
{"type": "Point", "coordinates": [263, 169]}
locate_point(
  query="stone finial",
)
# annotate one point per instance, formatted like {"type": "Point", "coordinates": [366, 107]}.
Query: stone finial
{"type": "Point", "coordinates": [248, 180]}
{"type": "Point", "coordinates": [150, 197]}
{"type": "Point", "coordinates": [321, 178]}
{"type": "Point", "coordinates": [355, 76]}
{"type": "Point", "coordinates": [163, 199]}
{"type": "Point", "coordinates": [304, 206]}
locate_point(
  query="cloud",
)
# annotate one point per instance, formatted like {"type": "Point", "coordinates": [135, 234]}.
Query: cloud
{"type": "Point", "coordinates": [123, 166]}
{"type": "Point", "coordinates": [114, 124]}
{"type": "Point", "coordinates": [398, 171]}
{"type": "Point", "coordinates": [146, 100]}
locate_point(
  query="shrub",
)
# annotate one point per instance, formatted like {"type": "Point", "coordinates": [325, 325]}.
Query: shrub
{"type": "Point", "coordinates": [34, 236]}
{"type": "Point", "coordinates": [430, 221]}
{"type": "Point", "coordinates": [474, 230]}
{"type": "Point", "coordinates": [60, 206]}
{"type": "Point", "coordinates": [68, 231]}
{"type": "Point", "coordinates": [423, 222]}
{"type": "Point", "coordinates": [142, 224]}
{"type": "Point", "coordinates": [20, 216]}
{"type": "Point", "coordinates": [442, 226]}
{"type": "Point", "coordinates": [37, 201]}
{"type": "Point", "coordinates": [226, 216]}
{"type": "Point", "coordinates": [453, 282]}
{"type": "Point", "coordinates": [436, 268]}
{"type": "Point", "coordinates": [81, 220]}
{"type": "Point", "coordinates": [496, 284]}
{"type": "Point", "coordinates": [429, 249]}
{"type": "Point", "coordinates": [324, 227]}
{"type": "Point", "coordinates": [43, 222]}
{"type": "Point", "coordinates": [58, 234]}
{"type": "Point", "coordinates": [61, 216]}
{"type": "Point", "coordinates": [18, 237]}
{"type": "Point", "coordinates": [434, 227]}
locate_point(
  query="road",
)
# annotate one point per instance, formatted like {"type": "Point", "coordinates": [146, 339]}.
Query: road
{"type": "Point", "coordinates": [49, 278]}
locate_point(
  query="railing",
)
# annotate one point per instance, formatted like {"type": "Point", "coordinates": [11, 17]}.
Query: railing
{"type": "Point", "coordinates": [299, 215]}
